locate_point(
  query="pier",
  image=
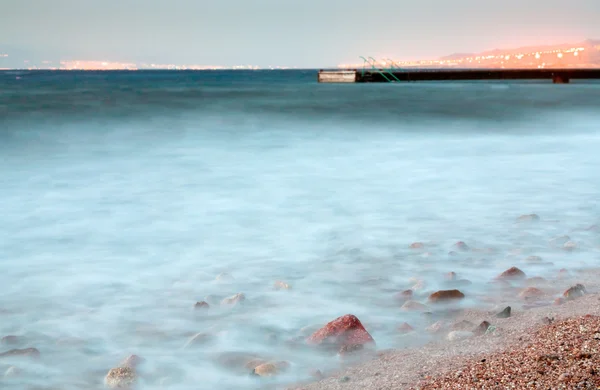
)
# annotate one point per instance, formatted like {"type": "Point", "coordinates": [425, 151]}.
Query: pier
{"type": "Point", "coordinates": [557, 76]}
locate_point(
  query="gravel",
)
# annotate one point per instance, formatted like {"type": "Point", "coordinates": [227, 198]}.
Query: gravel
{"type": "Point", "coordinates": [513, 344]}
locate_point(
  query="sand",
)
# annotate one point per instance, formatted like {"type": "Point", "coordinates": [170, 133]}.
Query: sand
{"type": "Point", "coordinates": [443, 360]}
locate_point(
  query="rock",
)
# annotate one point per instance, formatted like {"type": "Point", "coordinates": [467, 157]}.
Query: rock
{"type": "Point", "coordinates": [403, 296]}
{"type": "Point", "coordinates": [26, 352]}
{"type": "Point", "coordinates": [414, 306]}
{"type": "Point", "coordinates": [512, 273]}
{"type": "Point", "coordinates": [252, 364]}
{"type": "Point", "coordinates": [316, 374]}
{"type": "Point", "coordinates": [457, 335]}
{"type": "Point", "coordinates": [234, 300]}
{"type": "Point", "coordinates": [575, 292]}
{"type": "Point", "coordinates": [350, 349]}
{"type": "Point", "coordinates": [120, 378]}
{"type": "Point", "coordinates": [534, 259]}
{"type": "Point", "coordinates": [344, 330]}
{"type": "Point", "coordinates": [198, 339]}
{"type": "Point", "coordinates": [405, 328]}
{"type": "Point", "coordinates": [419, 286]}
{"type": "Point", "coordinates": [504, 313]}
{"type": "Point", "coordinates": [482, 328]}
{"type": "Point", "coordinates": [133, 361]}
{"type": "Point", "coordinates": [461, 247]}
{"type": "Point", "coordinates": [202, 305]}
{"type": "Point", "coordinates": [344, 379]}
{"type": "Point", "coordinates": [528, 218]}
{"type": "Point", "coordinates": [417, 245]}
{"type": "Point", "coordinates": [436, 327]}
{"type": "Point", "coordinates": [266, 370]}
{"type": "Point", "coordinates": [10, 340]}
{"type": "Point", "coordinates": [559, 301]}
{"type": "Point", "coordinates": [12, 372]}
{"type": "Point", "coordinates": [224, 277]}
{"type": "Point", "coordinates": [570, 246]}
{"type": "Point", "coordinates": [445, 296]}
{"type": "Point", "coordinates": [559, 241]}
{"type": "Point", "coordinates": [531, 293]}
{"type": "Point", "coordinates": [450, 276]}
{"type": "Point", "coordinates": [463, 325]}
{"type": "Point", "coordinates": [279, 285]}
{"type": "Point", "coordinates": [236, 361]}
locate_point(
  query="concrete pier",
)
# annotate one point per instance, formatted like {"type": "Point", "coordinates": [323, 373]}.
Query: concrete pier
{"type": "Point", "coordinates": [557, 76]}
{"type": "Point", "coordinates": [338, 76]}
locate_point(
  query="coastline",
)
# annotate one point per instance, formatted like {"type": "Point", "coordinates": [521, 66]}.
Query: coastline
{"type": "Point", "coordinates": [417, 368]}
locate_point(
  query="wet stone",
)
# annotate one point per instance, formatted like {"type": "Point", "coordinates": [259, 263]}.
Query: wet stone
{"type": "Point", "coordinates": [504, 313]}
{"type": "Point", "coordinates": [26, 352]}
{"type": "Point", "coordinates": [120, 378]}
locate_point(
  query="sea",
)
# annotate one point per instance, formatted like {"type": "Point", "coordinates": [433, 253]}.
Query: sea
{"type": "Point", "coordinates": [127, 197]}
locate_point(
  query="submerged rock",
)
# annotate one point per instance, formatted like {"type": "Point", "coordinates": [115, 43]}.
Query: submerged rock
{"type": "Point", "coordinates": [512, 273]}
{"type": "Point", "coordinates": [461, 247]}
{"type": "Point", "coordinates": [530, 293]}
{"type": "Point", "coordinates": [446, 296]}
{"type": "Point", "coordinates": [279, 285]}
{"type": "Point", "coordinates": [528, 218]}
{"type": "Point", "coordinates": [10, 340]}
{"type": "Point", "coordinates": [414, 306]}
{"type": "Point", "coordinates": [266, 370]}
{"type": "Point", "coordinates": [575, 292]}
{"type": "Point", "coordinates": [403, 296]}
{"type": "Point", "coordinates": [202, 305]}
{"type": "Point", "coordinates": [417, 245]}
{"type": "Point", "coordinates": [405, 328]}
{"type": "Point", "coordinates": [12, 372]}
{"type": "Point", "coordinates": [343, 331]}
{"type": "Point", "coordinates": [570, 246]}
{"type": "Point", "coordinates": [26, 352]}
{"type": "Point", "coordinates": [234, 300]}
{"type": "Point", "coordinates": [534, 259]}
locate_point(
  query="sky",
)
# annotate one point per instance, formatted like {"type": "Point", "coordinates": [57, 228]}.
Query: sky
{"type": "Point", "coordinates": [307, 33]}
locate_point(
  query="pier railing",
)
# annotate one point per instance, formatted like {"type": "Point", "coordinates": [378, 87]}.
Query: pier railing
{"type": "Point", "coordinates": [382, 71]}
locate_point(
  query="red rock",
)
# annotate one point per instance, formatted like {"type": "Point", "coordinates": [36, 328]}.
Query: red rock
{"type": "Point", "coordinates": [559, 301]}
{"type": "Point", "coordinates": [345, 330]}
{"type": "Point", "coordinates": [405, 328]}
{"type": "Point", "coordinates": [446, 295]}
{"type": "Point", "coordinates": [531, 292]}
{"type": "Point", "coordinates": [575, 292]}
{"type": "Point", "coordinates": [29, 352]}
{"type": "Point", "coordinates": [512, 273]}
{"type": "Point", "coordinates": [417, 245]}
{"type": "Point", "coordinates": [201, 305]}
{"type": "Point", "coordinates": [414, 306]}
{"type": "Point", "coordinates": [450, 276]}
{"type": "Point", "coordinates": [461, 246]}
{"type": "Point", "coordinates": [403, 296]}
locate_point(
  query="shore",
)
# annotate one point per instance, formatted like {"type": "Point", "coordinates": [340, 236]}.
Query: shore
{"type": "Point", "coordinates": [452, 364]}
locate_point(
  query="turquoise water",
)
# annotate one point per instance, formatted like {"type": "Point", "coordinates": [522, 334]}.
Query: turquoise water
{"type": "Point", "coordinates": [124, 197]}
